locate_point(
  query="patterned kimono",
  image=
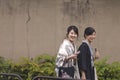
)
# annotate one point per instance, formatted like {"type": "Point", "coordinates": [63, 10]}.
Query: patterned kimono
{"type": "Point", "coordinates": [66, 49]}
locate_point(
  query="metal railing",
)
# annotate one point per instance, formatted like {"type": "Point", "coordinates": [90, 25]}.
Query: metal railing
{"type": "Point", "coordinates": [9, 76]}
{"type": "Point", "coordinates": [51, 78]}
{"type": "Point", "coordinates": [13, 76]}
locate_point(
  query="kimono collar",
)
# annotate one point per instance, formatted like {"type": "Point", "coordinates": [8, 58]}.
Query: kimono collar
{"type": "Point", "coordinates": [86, 42]}
{"type": "Point", "coordinates": [71, 44]}
{"type": "Point", "coordinates": [90, 47]}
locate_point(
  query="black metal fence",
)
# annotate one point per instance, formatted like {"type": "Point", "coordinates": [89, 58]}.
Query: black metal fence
{"type": "Point", "coordinates": [9, 76]}
{"type": "Point", "coordinates": [51, 78]}
{"type": "Point", "coordinates": [12, 76]}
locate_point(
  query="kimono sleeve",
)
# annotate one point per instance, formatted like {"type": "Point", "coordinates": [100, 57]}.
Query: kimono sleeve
{"type": "Point", "coordinates": [62, 54]}
{"type": "Point", "coordinates": [82, 63]}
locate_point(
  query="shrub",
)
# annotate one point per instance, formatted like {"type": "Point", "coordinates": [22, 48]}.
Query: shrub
{"type": "Point", "coordinates": [44, 65]}
{"type": "Point", "coordinates": [5, 65]}
{"type": "Point", "coordinates": [108, 71]}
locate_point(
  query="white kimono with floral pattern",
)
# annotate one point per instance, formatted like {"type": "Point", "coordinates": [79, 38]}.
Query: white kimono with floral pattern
{"type": "Point", "coordinates": [66, 49]}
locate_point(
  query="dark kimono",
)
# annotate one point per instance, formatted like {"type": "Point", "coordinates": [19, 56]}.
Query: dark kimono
{"type": "Point", "coordinates": [84, 61]}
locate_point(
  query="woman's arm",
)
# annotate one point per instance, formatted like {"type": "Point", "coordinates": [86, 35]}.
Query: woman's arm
{"type": "Point", "coordinates": [83, 77]}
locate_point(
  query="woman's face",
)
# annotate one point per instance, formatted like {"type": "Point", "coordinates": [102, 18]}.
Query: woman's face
{"type": "Point", "coordinates": [91, 37]}
{"type": "Point", "coordinates": [72, 36]}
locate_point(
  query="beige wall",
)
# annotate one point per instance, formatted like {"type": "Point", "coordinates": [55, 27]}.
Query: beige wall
{"type": "Point", "coordinates": [32, 27]}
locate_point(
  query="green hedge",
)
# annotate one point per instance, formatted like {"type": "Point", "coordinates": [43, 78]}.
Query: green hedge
{"type": "Point", "coordinates": [106, 71]}
{"type": "Point", "coordinates": [44, 65]}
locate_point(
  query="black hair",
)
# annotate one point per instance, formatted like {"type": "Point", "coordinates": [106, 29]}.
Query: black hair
{"type": "Point", "coordinates": [89, 31]}
{"type": "Point", "coordinates": [74, 28]}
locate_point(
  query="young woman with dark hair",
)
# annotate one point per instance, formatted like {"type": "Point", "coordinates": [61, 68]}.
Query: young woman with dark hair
{"type": "Point", "coordinates": [87, 56]}
{"type": "Point", "coordinates": [67, 55]}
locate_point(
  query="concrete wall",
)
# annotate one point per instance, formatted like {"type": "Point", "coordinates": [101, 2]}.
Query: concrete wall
{"type": "Point", "coordinates": [32, 27]}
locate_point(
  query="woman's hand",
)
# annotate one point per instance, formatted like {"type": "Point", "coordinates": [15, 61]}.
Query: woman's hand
{"type": "Point", "coordinates": [77, 52]}
{"type": "Point", "coordinates": [97, 55]}
{"type": "Point", "coordinates": [83, 77]}
{"type": "Point", "coordinates": [73, 56]}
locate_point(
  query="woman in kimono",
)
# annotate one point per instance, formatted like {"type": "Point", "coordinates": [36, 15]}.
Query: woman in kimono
{"type": "Point", "coordinates": [67, 55]}
{"type": "Point", "coordinates": [86, 56]}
